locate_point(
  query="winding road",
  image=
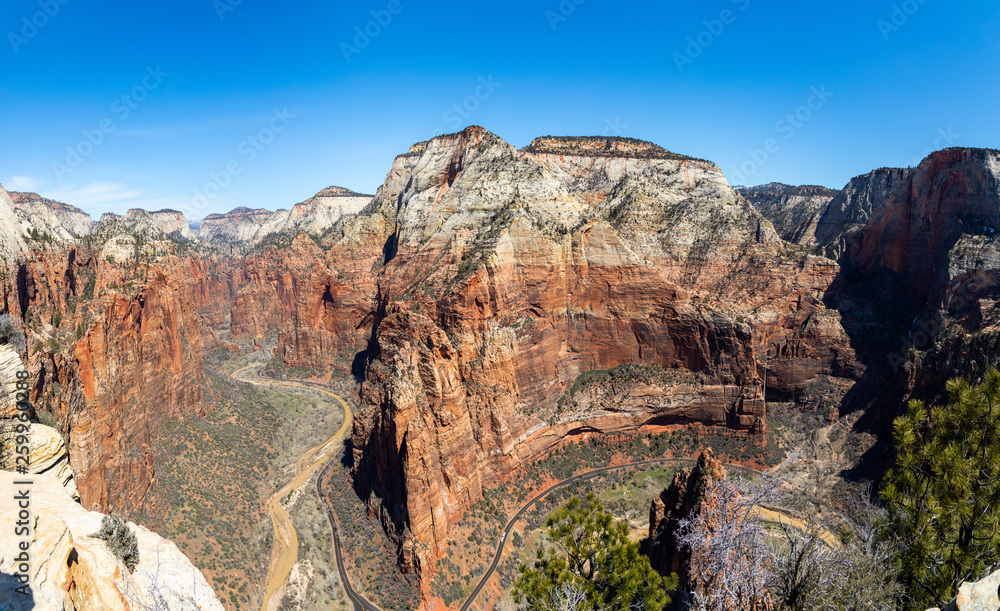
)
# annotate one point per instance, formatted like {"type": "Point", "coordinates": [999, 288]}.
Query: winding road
{"type": "Point", "coordinates": [285, 551]}
{"type": "Point", "coordinates": [358, 602]}
{"type": "Point", "coordinates": [767, 515]}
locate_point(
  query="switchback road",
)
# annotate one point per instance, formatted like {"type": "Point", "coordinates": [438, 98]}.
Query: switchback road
{"type": "Point", "coordinates": [766, 514]}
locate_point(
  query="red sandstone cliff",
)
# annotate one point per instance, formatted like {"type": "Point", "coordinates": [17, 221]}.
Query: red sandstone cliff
{"type": "Point", "coordinates": [476, 287]}
{"type": "Point", "coordinates": [507, 277]}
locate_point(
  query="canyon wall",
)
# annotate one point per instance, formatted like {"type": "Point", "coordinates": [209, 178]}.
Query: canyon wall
{"type": "Point", "coordinates": [471, 292]}
{"type": "Point", "coordinates": [510, 273]}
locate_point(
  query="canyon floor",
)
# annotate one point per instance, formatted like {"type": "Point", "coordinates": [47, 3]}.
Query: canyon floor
{"type": "Point", "coordinates": [502, 319]}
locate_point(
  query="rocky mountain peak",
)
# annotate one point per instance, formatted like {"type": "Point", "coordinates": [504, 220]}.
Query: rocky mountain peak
{"type": "Point", "coordinates": [339, 192]}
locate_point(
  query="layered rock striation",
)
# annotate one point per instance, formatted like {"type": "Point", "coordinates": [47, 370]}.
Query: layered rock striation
{"type": "Point", "coordinates": [472, 292]}
{"type": "Point", "coordinates": [243, 228]}
{"type": "Point", "coordinates": [507, 275]}
{"type": "Point", "coordinates": [70, 569]}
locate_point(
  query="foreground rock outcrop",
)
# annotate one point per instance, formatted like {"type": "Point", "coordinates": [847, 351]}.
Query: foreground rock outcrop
{"type": "Point", "coordinates": [679, 502]}
{"type": "Point", "coordinates": [982, 595]}
{"type": "Point", "coordinates": [67, 568]}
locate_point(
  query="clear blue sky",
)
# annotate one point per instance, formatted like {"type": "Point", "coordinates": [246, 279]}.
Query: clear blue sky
{"type": "Point", "coordinates": [606, 68]}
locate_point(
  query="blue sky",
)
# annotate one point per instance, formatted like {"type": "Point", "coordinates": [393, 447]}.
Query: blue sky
{"type": "Point", "coordinates": [205, 105]}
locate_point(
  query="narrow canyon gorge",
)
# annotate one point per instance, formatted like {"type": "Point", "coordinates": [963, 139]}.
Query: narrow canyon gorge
{"type": "Point", "coordinates": [465, 300]}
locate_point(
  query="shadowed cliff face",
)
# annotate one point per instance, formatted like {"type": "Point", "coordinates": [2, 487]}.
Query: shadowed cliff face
{"type": "Point", "coordinates": [927, 231]}
{"type": "Point", "coordinates": [850, 210]}
{"type": "Point", "coordinates": [794, 211]}
{"type": "Point", "coordinates": [481, 281]}
{"type": "Point", "coordinates": [919, 284]}
{"type": "Point", "coordinates": [514, 272]}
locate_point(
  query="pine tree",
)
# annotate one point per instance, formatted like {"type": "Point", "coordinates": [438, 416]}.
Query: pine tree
{"type": "Point", "coordinates": [943, 492]}
{"type": "Point", "coordinates": [593, 564]}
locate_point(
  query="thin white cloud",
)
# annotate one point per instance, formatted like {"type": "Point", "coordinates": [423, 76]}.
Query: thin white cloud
{"type": "Point", "coordinates": [94, 194]}
{"type": "Point", "coordinates": [20, 183]}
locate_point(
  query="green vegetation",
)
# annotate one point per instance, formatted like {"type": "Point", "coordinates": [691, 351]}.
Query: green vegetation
{"type": "Point", "coordinates": [611, 382]}
{"type": "Point", "coordinates": [646, 150]}
{"type": "Point", "coordinates": [120, 539]}
{"type": "Point", "coordinates": [42, 237]}
{"type": "Point", "coordinates": [11, 332]}
{"type": "Point", "coordinates": [216, 469]}
{"type": "Point", "coordinates": [484, 241]}
{"type": "Point", "coordinates": [943, 492]}
{"type": "Point", "coordinates": [369, 553]}
{"type": "Point", "coordinates": [596, 565]}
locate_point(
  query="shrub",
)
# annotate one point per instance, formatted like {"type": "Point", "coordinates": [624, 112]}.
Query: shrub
{"type": "Point", "coordinates": [600, 567]}
{"type": "Point", "coordinates": [120, 539]}
{"type": "Point", "coordinates": [11, 332]}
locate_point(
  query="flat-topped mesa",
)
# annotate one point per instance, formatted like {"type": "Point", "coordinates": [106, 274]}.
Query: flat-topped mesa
{"type": "Point", "coordinates": [56, 218]}
{"type": "Point", "coordinates": [240, 213]}
{"type": "Point", "coordinates": [171, 222]}
{"type": "Point", "coordinates": [602, 146]}
{"type": "Point", "coordinates": [246, 228]}
{"type": "Point", "coordinates": [339, 192]}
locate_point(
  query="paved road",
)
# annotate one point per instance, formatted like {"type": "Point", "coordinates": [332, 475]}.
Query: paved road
{"type": "Point", "coordinates": [358, 602]}
{"type": "Point", "coordinates": [283, 556]}
{"type": "Point", "coordinates": [566, 482]}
